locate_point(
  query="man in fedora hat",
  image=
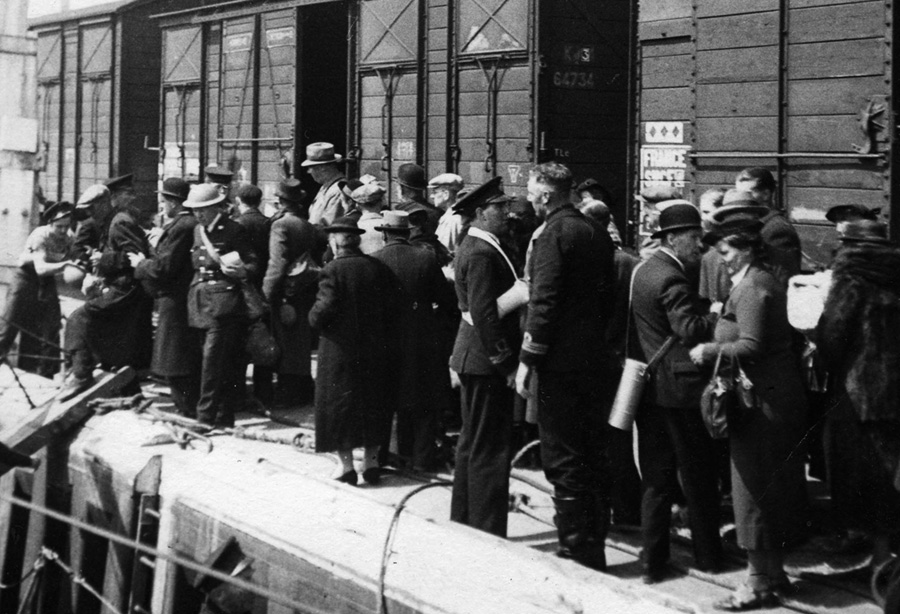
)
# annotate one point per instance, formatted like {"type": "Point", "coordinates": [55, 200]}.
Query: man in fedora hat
{"type": "Point", "coordinates": [672, 440]}
{"type": "Point", "coordinates": [782, 242]}
{"type": "Point", "coordinates": [355, 313]}
{"type": "Point", "coordinates": [418, 362]}
{"type": "Point", "coordinates": [444, 191]}
{"type": "Point", "coordinates": [166, 275]}
{"type": "Point", "coordinates": [222, 258]}
{"type": "Point", "coordinates": [114, 326]}
{"type": "Point", "coordinates": [411, 187]}
{"type": "Point", "coordinates": [290, 286]}
{"type": "Point", "coordinates": [484, 356]}
{"type": "Point", "coordinates": [323, 166]}
{"type": "Point", "coordinates": [572, 278]}
{"type": "Point", "coordinates": [369, 200]}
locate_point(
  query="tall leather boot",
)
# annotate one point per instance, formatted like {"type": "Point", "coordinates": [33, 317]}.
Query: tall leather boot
{"type": "Point", "coordinates": [576, 527]}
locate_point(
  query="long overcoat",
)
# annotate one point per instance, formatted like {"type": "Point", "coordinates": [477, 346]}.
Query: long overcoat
{"type": "Point", "coordinates": [167, 276]}
{"type": "Point", "coordinates": [420, 364]}
{"type": "Point", "coordinates": [354, 314]}
{"type": "Point", "coordinates": [768, 483]}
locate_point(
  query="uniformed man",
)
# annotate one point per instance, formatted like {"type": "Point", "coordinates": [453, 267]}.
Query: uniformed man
{"type": "Point", "coordinates": [166, 275]}
{"type": "Point", "coordinates": [418, 365]}
{"type": "Point", "coordinates": [484, 356]}
{"type": "Point", "coordinates": [222, 257]}
{"type": "Point", "coordinates": [444, 191]}
{"type": "Point", "coordinates": [411, 186]}
{"type": "Point", "coordinates": [290, 286]}
{"type": "Point", "coordinates": [572, 281]}
{"type": "Point", "coordinates": [219, 176]}
{"type": "Point", "coordinates": [114, 326]}
{"type": "Point", "coordinates": [323, 165]}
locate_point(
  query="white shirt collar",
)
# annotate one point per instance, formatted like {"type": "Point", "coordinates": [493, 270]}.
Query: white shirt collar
{"type": "Point", "coordinates": [668, 250]}
{"type": "Point", "coordinates": [737, 277]}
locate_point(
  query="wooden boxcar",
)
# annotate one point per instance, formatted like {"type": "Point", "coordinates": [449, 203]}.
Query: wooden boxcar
{"type": "Point", "coordinates": [802, 87]}
{"type": "Point", "coordinates": [478, 87]}
{"type": "Point", "coordinates": [98, 79]}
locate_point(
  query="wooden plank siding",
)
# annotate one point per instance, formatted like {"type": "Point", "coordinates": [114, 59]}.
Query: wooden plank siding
{"type": "Point", "coordinates": [746, 86]}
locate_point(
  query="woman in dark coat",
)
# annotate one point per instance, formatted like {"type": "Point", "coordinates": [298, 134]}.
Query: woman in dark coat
{"type": "Point", "coordinates": [32, 305]}
{"type": "Point", "coordinates": [768, 482]}
{"type": "Point", "coordinates": [353, 314]}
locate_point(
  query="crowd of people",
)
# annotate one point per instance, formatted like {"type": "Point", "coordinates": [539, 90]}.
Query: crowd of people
{"type": "Point", "coordinates": [533, 304]}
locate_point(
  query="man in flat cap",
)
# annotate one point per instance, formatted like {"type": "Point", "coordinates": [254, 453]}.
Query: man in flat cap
{"type": "Point", "coordinates": [444, 190]}
{"type": "Point", "coordinates": [369, 199]}
{"type": "Point", "coordinates": [484, 356]}
{"type": "Point", "coordinates": [166, 275]}
{"type": "Point", "coordinates": [418, 366]}
{"type": "Point", "coordinates": [355, 313]}
{"type": "Point", "coordinates": [247, 199]}
{"type": "Point", "coordinates": [323, 165]}
{"type": "Point", "coordinates": [779, 236]}
{"type": "Point", "coordinates": [114, 326]}
{"type": "Point", "coordinates": [572, 282]}
{"type": "Point", "coordinates": [290, 286]}
{"type": "Point", "coordinates": [222, 257]}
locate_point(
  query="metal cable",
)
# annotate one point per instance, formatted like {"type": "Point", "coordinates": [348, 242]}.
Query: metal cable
{"type": "Point", "coordinates": [389, 539]}
{"type": "Point", "coordinates": [18, 381]}
{"type": "Point", "coordinates": [166, 556]}
{"type": "Point", "coordinates": [33, 335]}
{"type": "Point", "coordinates": [78, 579]}
{"type": "Point", "coordinates": [38, 564]}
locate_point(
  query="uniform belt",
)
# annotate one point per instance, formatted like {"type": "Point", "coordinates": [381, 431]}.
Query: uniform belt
{"type": "Point", "coordinates": [468, 318]}
{"type": "Point", "coordinates": [211, 276]}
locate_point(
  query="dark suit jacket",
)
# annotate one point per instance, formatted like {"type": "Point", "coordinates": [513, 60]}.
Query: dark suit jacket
{"type": "Point", "coordinates": [257, 226]}
{"type": "Point", "coordinates": [664, 303]}
{"type": "Point", "coordinates": [489, 347]}
{"type": "Point", "coordinates": [782, 246]}
{"type": "Point", "coordinates": [220, 296]}
{"type": "Point", "coordinates": [572, 285]}
{"type": "Point", "coordinates": [289, 238]}
{"type": "Point", "coordinates": [123, 235]}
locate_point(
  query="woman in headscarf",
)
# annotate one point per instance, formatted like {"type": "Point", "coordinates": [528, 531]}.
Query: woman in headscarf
{"type": "Point", "coordinates": [32, 305]}
{"type": "Point", "coordinates": [767, 462]}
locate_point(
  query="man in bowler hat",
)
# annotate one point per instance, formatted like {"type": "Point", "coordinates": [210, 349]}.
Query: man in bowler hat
{"type": "Point", "coordinates": [290, 286]}
{"type": "Point", "coordinates": [411, 186]}
{"type": "Point", "coordinates": [484, 356]}
{"type": "Point", "coordinates": [672, 440]}
{"type": "Point", "coordinates": [166, 275]}
{"type": "Point", "coordinates": [324, 167]}
{"type": "Point", "coordinates": [418, 362]}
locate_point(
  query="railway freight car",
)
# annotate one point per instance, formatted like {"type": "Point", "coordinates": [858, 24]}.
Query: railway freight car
{"type": "Point", "coordinates": [98, 77]}
{"type": "Point", "coordinates": [802, 87]}
{"type": "Point", "coordinates": [478, 87]}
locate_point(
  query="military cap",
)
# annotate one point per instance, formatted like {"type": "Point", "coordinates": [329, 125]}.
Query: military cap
{"type": "Point", "coordinates": [290, 189]}
{"type": "Point", "coordinates": [678, 216]}
{"type": "Point", "coordinates": [176, 187]}
{"type": "Point", "coordinates": [845, 213]}
{"type": "Point", "coordinates": [203, 195]}
{"type": "Point", "coordinates": [120, 182]}
{"type": "Point", "coordinates": [57, 211]}
{"type": "Point", "coordinates": [412, 176]}
{"type": "Point", "coordinates": [344, 224]}
{"type": "Point", "coordinates": [488, 193]}
{"type": "Point", "coordinates": [446, 180]}
{"type": "Point", "coordinates": [96, 192]}
{"type": "Point", "coordinates": [218, 174]}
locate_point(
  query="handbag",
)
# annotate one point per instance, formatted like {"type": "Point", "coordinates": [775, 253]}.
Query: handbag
{"type": "Point", "coordinates": [725, 399]}
{"type": "Point", "coordinates": [261, 344]}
